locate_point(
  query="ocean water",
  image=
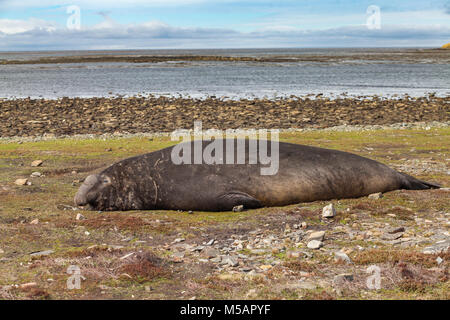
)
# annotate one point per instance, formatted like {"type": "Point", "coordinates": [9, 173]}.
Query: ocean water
{"type": "Point", "coordinates": [353, 76]}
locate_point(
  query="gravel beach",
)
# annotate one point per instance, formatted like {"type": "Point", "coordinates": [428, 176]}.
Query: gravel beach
{"type": "Point", "coordinates": [119, 115]}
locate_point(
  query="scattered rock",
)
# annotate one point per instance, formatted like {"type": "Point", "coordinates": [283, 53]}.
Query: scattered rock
{"type": "Point", "coordinates": [341, 278]}
{"type": "Point", "coordinates": [328, 211]}
{"type": "Point", "coordinates": [315, 244]}
{"type": "Point", "coordinates": [304, 225]}
{"type": "Point", "coordinates": [28, 285]}
{"type": "Point", "coordinates": [439, 260]}
{"type": "Point", "coordinates": [35, 174]}
{"type": "Point", "coordinates": [438, 247]}
{"type": "Point", "coordinates": [375, 196]}
{"type": "Point", "coordinates": [238, 208]}
{"type": "Point", "coordinates": [210, 253]}
{"type": "Point", "coordinates": [395, 230]}
{"type": "Point", "coordinates": [35, 221]}
{"type": "Point", "coordinates": [36, 163]}
{"type": "Point", "coordinates": [178, 240]}
{"type": "Point", "coordinates": [341, 256]}
{"type": "Point", "coordinates": [392, 236]}
{"type": "Point", "coordinates": [41, 253]}
{"type": "Point", "coordinates": [265, 267]}
{"type": "Point", "coordinates": [318, 235]}
{"type": "Point", "coordinates": [80, 217]}
{"type": "Point", "coordinates": [231, 261]}
{"type": "Point", "coordinates": [21, 182]}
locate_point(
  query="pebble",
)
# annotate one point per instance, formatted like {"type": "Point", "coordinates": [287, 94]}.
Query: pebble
{"type": "Point", "coordinates": [439, 260]}
{"type": "Point", "coordinates": [231, 261]}
{"type": "Point", "coordinates": [315, 244]}
{"type": "Point", "coordinates": [36, 174]}
{"type": "Point", "coordinates": [318, 235]}
{"type": "Point", "coordinates": [28, 285]}
{"type": "Point", "coordinates": [375, 196]}
{"type": "Point", "coordinates": [80, 217]}
{"type": "Point", "coordinates": [341, 256]}
{"type": "Point", "coordinates": [35, 221]}
{"type": "Point", "coordinates": [36, 163]}
{"type": "Point", "coordinates": [210, 253]}
{"type": "Point", "coordinates": [328, 211]}
{"type": "Point", "coordinates": [21, 182]}
{"type": "Point", "coordinates": [304, 225]}
{"type": "Point", "coordinates": [41, 253]}
{"type": "Point", "coordinates": [178, 240]}
{"type": "Point", "coordinates": [238, 208]}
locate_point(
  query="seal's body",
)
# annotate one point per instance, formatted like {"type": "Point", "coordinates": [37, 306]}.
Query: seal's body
{"type": "Point", "coordinates": [153, 181]}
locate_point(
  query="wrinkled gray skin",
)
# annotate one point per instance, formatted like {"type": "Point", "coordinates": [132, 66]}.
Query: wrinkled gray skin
{"type": "Point", "coordinates": [152, 181]}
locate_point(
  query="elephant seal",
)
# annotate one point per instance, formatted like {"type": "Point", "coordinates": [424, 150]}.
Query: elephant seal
{"type": "Point", "coordinates": [153, 181]}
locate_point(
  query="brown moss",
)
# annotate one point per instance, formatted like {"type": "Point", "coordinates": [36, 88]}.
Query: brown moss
{"type": "Point", "coordinates": [396, 256]}
{"type": "Point", "coordinates": [145, 267]}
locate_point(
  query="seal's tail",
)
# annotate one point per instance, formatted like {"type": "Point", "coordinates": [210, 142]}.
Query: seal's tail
{"type": "Point", "coordinates": [411, 183]}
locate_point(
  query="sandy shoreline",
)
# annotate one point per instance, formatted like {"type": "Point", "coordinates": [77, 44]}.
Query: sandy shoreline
{"type": "Point", "coordinates": [157, 115]}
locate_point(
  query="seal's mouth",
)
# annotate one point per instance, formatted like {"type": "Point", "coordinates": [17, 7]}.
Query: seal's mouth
{"type": "Point", "coordinates": [81, 198]}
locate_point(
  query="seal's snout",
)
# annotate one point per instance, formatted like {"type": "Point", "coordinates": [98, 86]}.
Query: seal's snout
{"type": "Point", "coordinates": [80, 197]}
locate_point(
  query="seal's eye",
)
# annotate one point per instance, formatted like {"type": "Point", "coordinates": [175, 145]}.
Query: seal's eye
{"type": "Point", "coordinates": [106, 180]}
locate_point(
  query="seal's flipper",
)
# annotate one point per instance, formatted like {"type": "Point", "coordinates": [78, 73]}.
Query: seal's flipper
{"type": "Point", "coordinates": [236, 198]}
{"type": "Point", "coordinates": [411, 183]}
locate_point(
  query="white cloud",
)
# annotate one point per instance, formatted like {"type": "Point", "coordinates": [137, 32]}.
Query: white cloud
{"type": "Point", "coordinates": [41, 35]}
{"type": "Point", "coordinates": [9, 26]}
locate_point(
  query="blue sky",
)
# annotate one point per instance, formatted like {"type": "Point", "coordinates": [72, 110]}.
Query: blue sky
{"type": "Point", "coordinates": [41, 25]}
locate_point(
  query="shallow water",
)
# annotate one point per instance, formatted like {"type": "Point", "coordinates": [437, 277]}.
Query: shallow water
{"type": "Point", "coordinates": [221, 79]}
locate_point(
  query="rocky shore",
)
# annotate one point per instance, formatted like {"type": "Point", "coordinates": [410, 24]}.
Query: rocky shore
{"type": "Point", "coordinates": [119, 115]}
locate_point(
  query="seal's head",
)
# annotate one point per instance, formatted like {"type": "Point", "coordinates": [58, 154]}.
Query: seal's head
{"type": "Point", "coordinates": [98, 191]}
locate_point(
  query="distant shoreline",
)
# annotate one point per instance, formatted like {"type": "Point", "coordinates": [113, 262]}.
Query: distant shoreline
{"type": "Point", "coordinates": [389, 55]}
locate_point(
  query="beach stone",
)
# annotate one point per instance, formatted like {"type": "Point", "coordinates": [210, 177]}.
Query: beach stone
{"type": "Point", "coordinates": [231, 261]}
{"type": "Point", "coordinates": [36, 174]}
{"type": "Point", "coordinates": [438, 247]}
{"type": "Point", "coordinates": [392, 236]}
{"type": "Point", "coordinates": [80, 217]}
{"type": "Point", "coordinates": [210, 252]}
{"type": "Point", "coordinates": [343, 277]}
{"type": "Point", "coordinates": [315, 244]}
{"type": "Point", "coordinates": [375, 196]}
{"type": "Point", "coordinates": [21, 182]}
{"type": "Point", "coordinates": [439, 260]}
{"type": "Point", "coordinates": [238, 208]}
{"type": "Point", "coordinates": [35, 221]}
{"type": "Point", "coordinates": [41, 253]}
{"type": "Point", "coordinates": [28, 285]}
{"type": "Point", "coordinates": [341, 256]}
{"type": "Point", "coordinates": [318, 235]}
{"type": "Point", "coordinates": [304, 225]}
{"type": "Point", "coordinates": [328, 211]}
{"type": "Point", "coordinates": [37, 163]}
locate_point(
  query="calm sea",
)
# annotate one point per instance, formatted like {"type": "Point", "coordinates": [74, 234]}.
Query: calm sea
{"type": "Point", "coordinates": [352, 76]}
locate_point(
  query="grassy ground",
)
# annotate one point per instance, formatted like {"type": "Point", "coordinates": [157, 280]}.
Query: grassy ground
{"type": "Point", "coordinates": [134, 254]}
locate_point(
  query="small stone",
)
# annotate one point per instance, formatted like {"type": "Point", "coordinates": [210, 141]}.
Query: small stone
{"type": "Point", "coordinates": [1, 251]}
{"type": "Point", "coordinates": [318, 235]}
{"type": "Point", "coordinates": [210, 242]}
{"type": "Point", "coordinates": [439, 260]}
{"type": "Point", "coordinates": [304, 225]}
{"type": "Point", "coordinates": [21, 182]}
{"type": "Point", "coordinates": [36, 174]}
{"type": "Point", "coordinates": [35, 221]}
{"type": "Point", "coordinates": [375, 196]}
{"type": "Point", "coordinates": [238, 208]}
{"type": "Point", "coordinates": [341, 256]}
{"type": "Point", "coordinates": [41, 253]}
{"type": "Point", "coordinates": [80, 217]}
{"type": "Point", "coordinates": [340, 278]}
{"type": "Point", "coordinates": [178, 240]}
{"type": "Point", "coordinates": [315, 244]}
{"type": "Point", "coordinates": [265, 267]}
{"type": "Point", "coordinates": [328, 211]}
{"type": "Point", "coordinates": [392, 236]}
{"type": "Point", "coordinates": [396, 230]}
{"type": "Point", "coordinates": [210, 253]}
{"type": "Point", "coordinates": [190, 212]}
{"type": "Point", "coordinates": [36, 163]}
{"type": "Point", "coordinates": [231, 261]}
{"type": "Point", "coordinates": [28, 285]}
